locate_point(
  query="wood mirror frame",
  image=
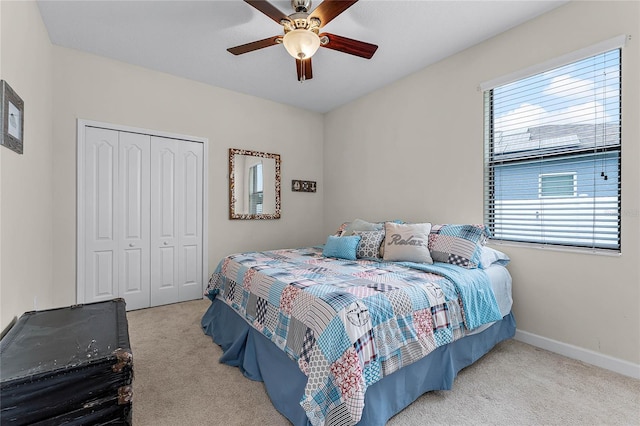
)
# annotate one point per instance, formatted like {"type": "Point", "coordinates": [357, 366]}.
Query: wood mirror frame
{"type": "Point", "coordinates": [249, 170]}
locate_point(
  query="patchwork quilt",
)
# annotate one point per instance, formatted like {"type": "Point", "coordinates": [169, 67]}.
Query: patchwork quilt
{"type": "Point", "coordinates": [348, 323]}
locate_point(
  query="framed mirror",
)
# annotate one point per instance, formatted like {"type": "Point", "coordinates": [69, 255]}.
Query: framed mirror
{"type": "Point", "coordinates": [254, 185]}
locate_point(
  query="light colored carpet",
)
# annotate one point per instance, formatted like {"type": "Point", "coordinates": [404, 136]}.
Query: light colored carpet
{"type": "Point", "coordinates": [179, 381]}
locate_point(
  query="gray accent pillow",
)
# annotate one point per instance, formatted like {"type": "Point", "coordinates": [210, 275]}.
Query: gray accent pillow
{"type": "Point", "coordinates": [407, 242]}
{"type": "Point", "coordinates": [369, 245]}
{"type": "Point", "coordinates": [361, 225]}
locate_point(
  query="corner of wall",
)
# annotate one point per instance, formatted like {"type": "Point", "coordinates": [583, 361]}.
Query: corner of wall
{"type": "Point", "coordinates": [1, 319]}
{"type": "Point", "coordinates": [26, 209]}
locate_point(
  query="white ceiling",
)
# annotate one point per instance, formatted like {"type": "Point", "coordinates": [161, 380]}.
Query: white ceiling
{"type": "Point", "coordinates": [190, 38]}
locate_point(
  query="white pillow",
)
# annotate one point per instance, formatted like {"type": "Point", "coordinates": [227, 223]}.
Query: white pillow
{"type": "Point", "coordinates": [489, 256]}
{"type": "Point", "coordinates": [407, 242]}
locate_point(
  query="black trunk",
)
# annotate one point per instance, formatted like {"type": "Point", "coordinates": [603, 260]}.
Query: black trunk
{"type": "Point", "coordinates": [67, 366]}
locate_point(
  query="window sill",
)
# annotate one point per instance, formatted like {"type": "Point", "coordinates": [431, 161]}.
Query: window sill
{"type": "Point", "coordinates": [554, 248]}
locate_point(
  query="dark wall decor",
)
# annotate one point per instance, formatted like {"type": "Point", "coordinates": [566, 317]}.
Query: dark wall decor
{"type": "Point", "coordinates": [303, 186]}
{"type": "Point", "coordinates": [12, 118]}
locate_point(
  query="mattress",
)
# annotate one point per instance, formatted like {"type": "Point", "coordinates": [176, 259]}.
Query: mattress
{"type": "Point", "coordinates": [501, 283]}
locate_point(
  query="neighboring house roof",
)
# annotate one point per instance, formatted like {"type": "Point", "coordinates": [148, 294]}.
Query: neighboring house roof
{"type": "Point", "coordinates": [556, 138]}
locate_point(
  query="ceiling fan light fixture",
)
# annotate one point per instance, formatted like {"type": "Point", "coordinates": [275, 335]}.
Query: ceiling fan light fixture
{"type": "Point", "coordinates": [301, 43]}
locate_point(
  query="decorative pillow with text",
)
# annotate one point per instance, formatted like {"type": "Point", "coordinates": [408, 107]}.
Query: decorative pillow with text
{"type": "Point", "coordinates": [407, 242]}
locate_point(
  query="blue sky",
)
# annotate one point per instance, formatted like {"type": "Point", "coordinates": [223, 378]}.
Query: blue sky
{"type": "Point", "coordinates": [583, 92]}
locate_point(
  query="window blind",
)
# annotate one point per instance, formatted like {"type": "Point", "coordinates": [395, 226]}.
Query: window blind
{"type": "Point", "coordinates": [553, 155]}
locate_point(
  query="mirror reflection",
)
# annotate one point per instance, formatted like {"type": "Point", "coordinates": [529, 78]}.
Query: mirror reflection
{"type": "Point", "coordinates": [254, 185]}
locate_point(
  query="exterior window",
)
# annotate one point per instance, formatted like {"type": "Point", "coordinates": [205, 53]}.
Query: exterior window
{"type": "Point", "coordinates": [553, 156]}
{"type": "Point", "coordinates": [255, 189]}
{"type": "Point", "coordinates": [557, 185]}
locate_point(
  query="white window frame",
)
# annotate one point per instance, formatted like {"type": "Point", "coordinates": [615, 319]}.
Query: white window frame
{"type": "Point", "coordinates": [544, 175]}
{"type": "Point", "coordinates": [605, 46]}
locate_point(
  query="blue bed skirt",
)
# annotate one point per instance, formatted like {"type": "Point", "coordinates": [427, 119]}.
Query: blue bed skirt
{"type": "Point", "coordinates": [259, 359]}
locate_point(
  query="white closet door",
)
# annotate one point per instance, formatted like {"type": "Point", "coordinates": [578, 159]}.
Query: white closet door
{"type": "Point", "coordinates": [190, 258]}
{"type": "Point", "coordinates": [176, 220]}
{"type": "Point", "coordinates": [164, 235]}
{"type": "Point", "coordinates": [140, 217]}
{"type": "Point", "coordinates": [134, 220]}
{"type": "Point", "coordinates": [101, 215]}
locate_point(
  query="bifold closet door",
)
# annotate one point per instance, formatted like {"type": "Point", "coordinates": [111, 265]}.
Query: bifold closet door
{"type": "Point", "coordinates": [116, 210]}
{"type": "Point", "coordinates": [135, 205]}
{"type": "Point", "coordinates": [176, 220]}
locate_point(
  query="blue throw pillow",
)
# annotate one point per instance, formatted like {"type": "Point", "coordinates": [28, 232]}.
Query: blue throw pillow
{"type": "Point", "coordinates": [341, 247]}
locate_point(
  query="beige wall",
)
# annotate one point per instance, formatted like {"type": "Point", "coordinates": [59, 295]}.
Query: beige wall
{"type": "Point", "coordinates": [414, 151]}
{"type": "Point", "coordinates": [96, 88]}
{"type": "Point", "coordinates": [25, 180]}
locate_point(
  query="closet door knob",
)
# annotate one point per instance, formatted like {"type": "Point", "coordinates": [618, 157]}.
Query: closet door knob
{"type": "Point", "coordinates": [165, 243]}
{"type": "Point", "coordinates": [131, 244]}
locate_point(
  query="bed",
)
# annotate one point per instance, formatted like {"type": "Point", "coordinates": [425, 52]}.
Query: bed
{"type": "Point", "coordinates": [342, 339]}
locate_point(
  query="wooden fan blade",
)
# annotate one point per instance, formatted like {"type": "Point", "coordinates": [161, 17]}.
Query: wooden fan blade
{"type": "Point", "coordinates": [329, 9]}
{"type": "Point", "coordinates": [268, 9]}
{"type": "Point", "coordinates": [303, 67]}
{"type": "Point", "coordinates": [255, 45]}
{"type": "Point", "coordinates": [350, 46]}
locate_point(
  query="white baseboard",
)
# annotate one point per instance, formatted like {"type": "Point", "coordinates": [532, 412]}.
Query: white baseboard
{"type": "Point", "coordinates": [590, 357]}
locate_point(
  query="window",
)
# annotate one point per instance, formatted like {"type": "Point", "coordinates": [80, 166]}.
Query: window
{"type": "Point", "coordinates": [553, 155]}
{"type": "Point", "coordinates": [557, 185]}
{"type": "Point", "coordinates": [255, 189]}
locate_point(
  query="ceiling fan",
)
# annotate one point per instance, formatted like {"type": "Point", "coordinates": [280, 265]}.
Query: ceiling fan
{"type": "Point", "coordinates": [301, 33]}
